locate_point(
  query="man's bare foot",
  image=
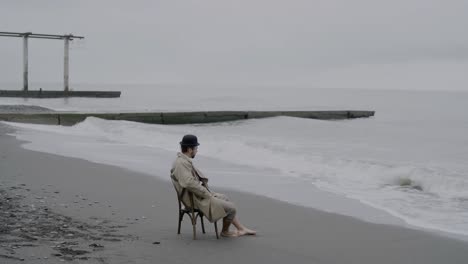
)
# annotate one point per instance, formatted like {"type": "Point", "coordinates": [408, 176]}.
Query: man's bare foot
{"type": "Point", "coordinates": [246, 232]}
{"type": "Point", "coordinates": [229, 234]}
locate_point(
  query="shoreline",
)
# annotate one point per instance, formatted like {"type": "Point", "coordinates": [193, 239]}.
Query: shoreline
{"type": "Point", "coordinates": [316, 198]}
{"type": "Point", "coordinates": [286, 232]}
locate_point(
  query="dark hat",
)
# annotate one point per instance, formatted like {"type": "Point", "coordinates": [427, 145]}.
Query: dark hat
{"type": "Point", "coordinates": [189, 141]}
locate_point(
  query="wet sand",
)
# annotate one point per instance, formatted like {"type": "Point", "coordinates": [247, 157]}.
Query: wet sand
{"type": "Point", "coordinates": [65, 210]}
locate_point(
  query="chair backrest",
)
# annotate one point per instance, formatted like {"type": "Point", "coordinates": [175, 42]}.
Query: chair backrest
{"type": "Point", "coordinates": [181, 195]}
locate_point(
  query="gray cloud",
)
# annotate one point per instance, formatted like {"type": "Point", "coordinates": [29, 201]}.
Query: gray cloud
{"type": "Point", "coordinates": [251, 41]}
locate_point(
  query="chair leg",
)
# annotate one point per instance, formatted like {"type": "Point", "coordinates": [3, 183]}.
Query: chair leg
{"type": "Point", "coordinates": [194, 225]}
{"type": "Point", "coordinates": [216, 229]}
{"type": "Point", "coordinates": [181, 217]}
{"type": "Point", "coordinates": [202, 223]}
{"type": "Point", "coordinates": [193, 218]}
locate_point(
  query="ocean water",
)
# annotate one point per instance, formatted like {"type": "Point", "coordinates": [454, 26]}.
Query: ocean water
{"type": "Point", "coordinates": [408, 161]}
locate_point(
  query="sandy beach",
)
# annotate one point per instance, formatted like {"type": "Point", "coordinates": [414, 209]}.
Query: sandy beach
{"type": "Point", "coordinates": [57, 209]}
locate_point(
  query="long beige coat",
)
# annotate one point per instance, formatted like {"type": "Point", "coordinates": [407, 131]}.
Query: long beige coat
{"type": "Point", "coordinates": [185, 175]}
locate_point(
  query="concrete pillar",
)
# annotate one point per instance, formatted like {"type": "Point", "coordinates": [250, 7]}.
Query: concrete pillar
{"type": "Point", "coordinates": [65, 64]}
{"type": "Point", "coordinates": [25, 62]}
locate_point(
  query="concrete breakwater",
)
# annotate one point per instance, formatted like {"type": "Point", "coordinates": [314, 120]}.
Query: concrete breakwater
{"type": "Point", "coordinates": [172, 118]}
{"type": "Point", "coordinates": [59, 94]}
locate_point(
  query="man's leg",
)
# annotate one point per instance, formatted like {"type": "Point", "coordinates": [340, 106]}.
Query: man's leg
{"type": "Point", "coordinates": [241, 229]}
{"type": "Point", "coordinates": [230, 209]}
{"type": "Point", "coordinates": [225, 231]}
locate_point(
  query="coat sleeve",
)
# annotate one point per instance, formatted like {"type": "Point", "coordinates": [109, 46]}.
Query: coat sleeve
{"type": "Point", "coordinates": [183, 173]}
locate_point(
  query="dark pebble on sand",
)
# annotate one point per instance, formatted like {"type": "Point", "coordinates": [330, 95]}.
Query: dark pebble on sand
{"type": "Point", "coordinates": [112, 239]}
{"type": "Point", "coordinates": [73, 252]}
{"type": "Point", "coordinates": [95, 245]}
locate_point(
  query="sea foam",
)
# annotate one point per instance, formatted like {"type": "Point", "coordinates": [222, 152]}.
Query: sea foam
{"type": "Point", "coordinates": [333, 156]}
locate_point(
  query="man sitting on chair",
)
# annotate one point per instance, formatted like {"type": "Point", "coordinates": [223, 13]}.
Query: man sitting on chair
{"type": "Point", "coordinates": [213, 205]}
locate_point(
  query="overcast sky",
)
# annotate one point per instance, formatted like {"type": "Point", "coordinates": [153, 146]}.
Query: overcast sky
{"type": "Point", "coordinates": [402, 44]}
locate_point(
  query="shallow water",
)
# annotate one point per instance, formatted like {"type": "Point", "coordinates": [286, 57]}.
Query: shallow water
{"type": "Point", "coordinates": [409, 160]}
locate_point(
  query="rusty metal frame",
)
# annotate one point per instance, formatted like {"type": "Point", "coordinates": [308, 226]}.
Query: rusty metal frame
{"type": "Point", "coordinates": [28, 35]}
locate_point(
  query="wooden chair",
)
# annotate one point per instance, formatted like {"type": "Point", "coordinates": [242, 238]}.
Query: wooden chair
{"type": "Point", "coordinates": [193, 213]}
